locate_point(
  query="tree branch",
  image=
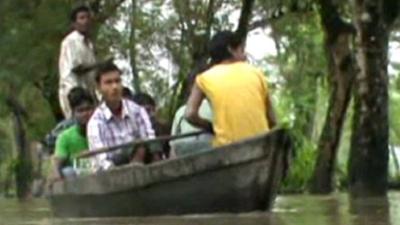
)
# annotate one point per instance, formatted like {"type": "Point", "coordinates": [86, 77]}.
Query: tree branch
{"type": "Point", "coordinates": [101, 14]}
{"type": "Point", "coordinates": [332, 21]}
{"type": "Point", "coordinates": [210, 18]}
{"type": "Point", "coordinates": [258, 24]}
{"type": "Point", "coordinates": [244, 19]}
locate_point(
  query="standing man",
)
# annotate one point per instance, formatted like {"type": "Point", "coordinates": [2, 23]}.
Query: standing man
{"type": "Point", "coordinates": [76, 58]}
{"type": "Point", "coordinates": [117, 121]}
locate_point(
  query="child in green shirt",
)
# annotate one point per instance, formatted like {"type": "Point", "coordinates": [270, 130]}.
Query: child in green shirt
{"type": "Point", "coordinates": [73, 141]}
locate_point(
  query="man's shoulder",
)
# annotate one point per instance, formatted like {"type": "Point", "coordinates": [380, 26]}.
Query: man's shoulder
{"type": "Point", "coordinates": [130, 103]}
{"type": "Point", "coordinates": [249, 67]}
{"type": "Point", "coordinates": [69, 132]}
{"type": "Point", "coordinates": [132, 106]}
{"type": "Point", "coordinates": [72, 37]}
{"type": "Point", "coordinates": [98, 115]}
{"type": "Point", "coordinates": [214, 72]}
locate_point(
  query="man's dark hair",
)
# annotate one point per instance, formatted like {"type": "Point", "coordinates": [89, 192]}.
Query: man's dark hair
{"type": "Point", "coordinates": [220, 43]}
{"type": "Point", "coordinates": [143, 99]}
{"type": "Point", "coordinates": [127, 93]}
{"type": "Point", "coordinates": [76, 10]}
{"type": "Point", "coordinates": [77, 96]}
{"type": "Point", "coordinates": [105, 68]}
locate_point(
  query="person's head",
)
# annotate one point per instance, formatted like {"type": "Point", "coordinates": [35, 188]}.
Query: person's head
{"type": "Point", "coordinates": [109, 83]}
{"type": "Point", "coordinates": [81, 19]}
{"type": "Point", "coordinates": [146, 101]}
{"type": "Point", "coordinates": [82, 104]}
{"type": "Point", "coordinates": [127, 93]}
{"type": "Point", "coordinates": [226, 45]}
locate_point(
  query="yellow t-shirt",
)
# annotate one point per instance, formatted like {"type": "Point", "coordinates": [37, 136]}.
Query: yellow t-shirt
{"type": "Point", "coordinates": [237, 93]}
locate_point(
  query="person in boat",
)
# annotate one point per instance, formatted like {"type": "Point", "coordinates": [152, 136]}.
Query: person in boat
{"type": "Point", "coordinates": [73, 141]}
{"type": "Point", "coordinates": [127, 93]}
{"type": "Point", "coordinates": [77, 57]}
{"type": "Point", "coordinates": [237, 91]}
{"type": "Point", "coordinates": [159, 150]}
{"type": "Point", "coordinates": [190, 145]}
{"type": "Point", "coordinates": [49, 142]}
{"type": "Point", "coordinates": [117, 121]}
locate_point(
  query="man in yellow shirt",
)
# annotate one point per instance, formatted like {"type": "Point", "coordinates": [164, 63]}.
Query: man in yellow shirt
{"type": "Point", "coordinates": [237, 91]}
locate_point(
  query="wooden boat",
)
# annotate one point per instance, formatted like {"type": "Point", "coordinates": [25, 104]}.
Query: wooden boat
{"type": "Point", "coordinates": [241, 177]}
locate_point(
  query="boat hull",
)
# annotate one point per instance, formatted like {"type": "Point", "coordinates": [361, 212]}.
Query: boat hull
{"type": "Point", "coordinates": [241, 177]}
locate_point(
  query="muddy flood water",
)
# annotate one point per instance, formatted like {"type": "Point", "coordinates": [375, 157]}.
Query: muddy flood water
{"type": "Point", "coordinates": [337, 209]}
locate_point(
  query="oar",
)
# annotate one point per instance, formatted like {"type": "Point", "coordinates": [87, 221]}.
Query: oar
{"type": "Point", "coordinates": [88, 154]}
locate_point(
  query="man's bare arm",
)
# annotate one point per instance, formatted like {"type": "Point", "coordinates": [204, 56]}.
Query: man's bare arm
{"type": "Point", "coordinates": [271, 116]}
{"type": "Point", "coordinates": [192, 110]}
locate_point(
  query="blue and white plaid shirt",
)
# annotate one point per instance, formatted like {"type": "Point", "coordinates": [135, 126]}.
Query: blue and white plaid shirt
{"type": "Point", "coordinates": [106, 130]}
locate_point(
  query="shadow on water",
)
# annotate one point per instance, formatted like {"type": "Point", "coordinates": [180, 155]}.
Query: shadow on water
{"type": "Point", "coordinates": [336, 209]}
{"type": "Point", "coordinates": [370, 211]}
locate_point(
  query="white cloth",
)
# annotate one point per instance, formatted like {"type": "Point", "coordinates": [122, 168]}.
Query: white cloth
{"type": "Point", "coordinates": [190, 145]}
{"type": "Point", "coordinates": [74, 52]}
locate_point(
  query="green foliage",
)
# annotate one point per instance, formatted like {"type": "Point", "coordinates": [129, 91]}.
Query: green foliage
{"type": "Point", "coordinates": [302, 166]}
{"type": "Point", "coordinates": [299, 89]}
{"type": "Point", "coordinates": [40, 118]}
{"type": "Point", "coordinates": [299, 40]}
{"type": "Point", "coordinates": [394, 132]}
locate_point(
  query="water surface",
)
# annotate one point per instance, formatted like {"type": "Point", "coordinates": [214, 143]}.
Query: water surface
{"type": "Point", "coordinates": [337, 209]}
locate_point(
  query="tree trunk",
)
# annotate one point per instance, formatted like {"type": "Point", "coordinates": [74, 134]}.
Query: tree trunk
{"type": "Point", "coordinates": [132, 51]}
{"type": "Point", "coordinates": [342, 66]}
{"type": "Point", "coordinates": [368, 162]}
{"type": "Point", "coordinates": [245, 16]}
{"type": "Point", "coordinates": [8, 181]}
{"type": "Point", "coordinates": [199, 55]}
{"type": "Point", "coordinates": [23, 169]}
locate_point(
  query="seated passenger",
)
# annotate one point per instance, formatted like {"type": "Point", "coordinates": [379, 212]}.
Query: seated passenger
{"type": "Point", "coordinates": [72, 141]}
{"type": "Point", "coordinates": [148, 103]}
{"type": "Point", "coordinates": [160, 128]}
{"type": "Point", "coordinates": [50, 139]}
{"type": "Point", "coordinates": [117, 121]}
{"type": "Point", "coordinates": [127, 93]}
{"type": "Point", "coordinates": [237, 91]}
{"type": "Point", "coordinates": [190, 145]}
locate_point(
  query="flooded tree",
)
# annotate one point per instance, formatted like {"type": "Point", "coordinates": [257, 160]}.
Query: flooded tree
{"type": "Point", "coordinates": [368, 163]}
{"type": "Point", "coordinates": [341, 69]}
{"type": "Point", "coordinates": [23, 167]}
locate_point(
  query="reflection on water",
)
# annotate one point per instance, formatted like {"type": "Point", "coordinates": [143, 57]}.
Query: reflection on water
{"type": "Point", "coordinates": [294, 209]}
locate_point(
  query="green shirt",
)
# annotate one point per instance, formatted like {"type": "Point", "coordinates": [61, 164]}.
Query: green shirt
{"type": "Point", "coordinates": [70, 143]}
